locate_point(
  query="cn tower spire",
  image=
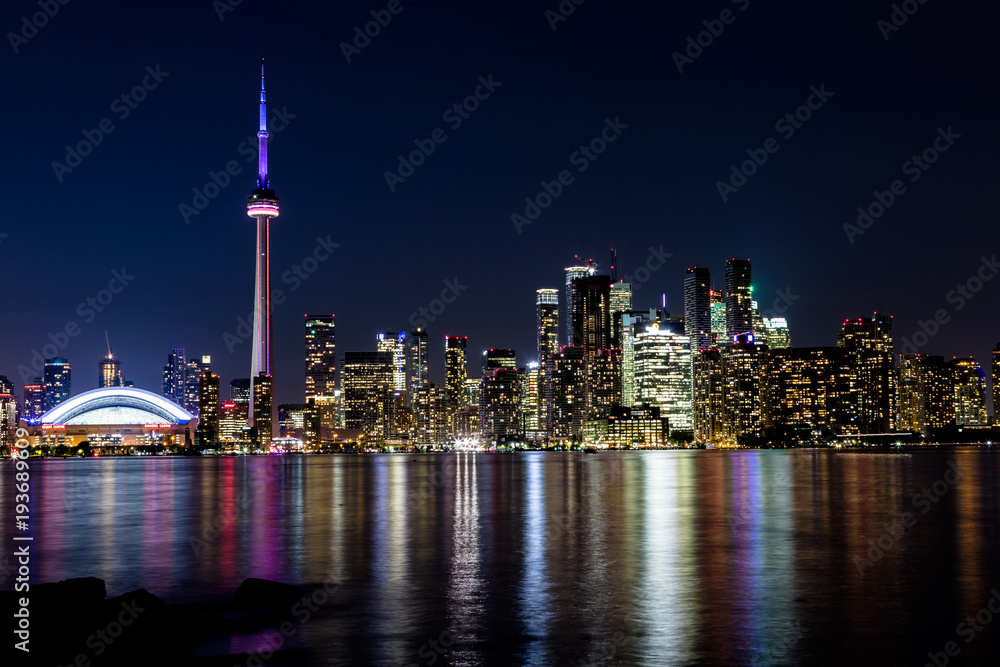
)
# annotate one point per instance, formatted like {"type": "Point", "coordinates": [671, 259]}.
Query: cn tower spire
{"type": "Point", "coordinates": [262, 183]}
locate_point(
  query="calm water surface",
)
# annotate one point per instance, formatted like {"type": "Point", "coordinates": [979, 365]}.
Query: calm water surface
{"type": "Point", "coordinates": [632, 558]}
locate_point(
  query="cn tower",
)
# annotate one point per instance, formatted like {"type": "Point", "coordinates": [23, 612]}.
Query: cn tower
{"type": "Point", "coordinates": [262, 204]}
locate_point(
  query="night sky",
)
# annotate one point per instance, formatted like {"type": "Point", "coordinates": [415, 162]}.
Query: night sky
{"type": "Point", "coordinates": [345, 123]}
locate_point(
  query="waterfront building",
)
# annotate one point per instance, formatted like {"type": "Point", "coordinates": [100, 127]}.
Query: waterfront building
{"type": "Point", "coordinates": [698, 308]}
{"type": "Point", "coordinates": [739, 295]}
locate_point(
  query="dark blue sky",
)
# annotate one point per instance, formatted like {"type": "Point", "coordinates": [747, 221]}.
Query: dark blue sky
{"type": "Point", "coordinates": [654, 186]}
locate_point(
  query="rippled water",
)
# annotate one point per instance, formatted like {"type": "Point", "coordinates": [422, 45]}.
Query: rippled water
{"type": "Point", "coordinates": [631, 558]}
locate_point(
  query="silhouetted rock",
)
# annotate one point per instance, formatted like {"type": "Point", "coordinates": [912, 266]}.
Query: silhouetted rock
{"type": "Point", "coordinates": [265, 593]}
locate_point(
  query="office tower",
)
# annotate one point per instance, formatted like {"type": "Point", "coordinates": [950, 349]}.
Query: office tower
{"type": "Point", "coordinates": [759, 329]}
{"type": "Point", "coordinates": [500, 405]}
{"type": "Point", "coordinates": [57, 375]}
{"type": "Point", "coordinates": [776, 333]}
{"type": "Point", "coordinates": [621, 302]}
{"type": "Point", "coordinates": [455, 369]}
{"type": "Point", "coordinates": [472, 390]}
{"type": "Point", "coordinates": [367, 381]}
{"type": "Point", "coordinates": [321, 355]}
{"type": "Point", "coordinates": [572, 273]}
{"type": "Point", "coordinates": [292, 419]}
{"type": "Point", "coordinates": [800, 392]}
{"type": "Point", "coordinates": [193, 370]}
{"type": "Point", "coordinates": [8, 416]}
{"type": "Point", "coordinates": [592, 313]}
{"type": "Point", "coordinates": [627, 428]}
{"type": "Point", "coordinates": [547, 333]}
{"type": "Point", "coordinates": [239, 391]}
{"type": "Point", "coordinates": [569, 392]}
{"type": "Point", "coordinates": [604, 382]}
{"type": "Point", "coordinates": [496, 358]}
{"type": "Point", "coordinates": [869, 343]}
{"type": "Point", "coordinates": [532, 403]}
{"type": "Point", "coordinates": [174, 381]}
{"type": "Point", "coordinates": [312, 430]}
{"type": "Point", "coordinates": [741, 400]}
{"type": "Point", "coordinates": [969, 389]}
{"type": "Point", "coordinates": [262, 406]}
{"type": "Point", "coordinates": [718, 308]}
{"type": "Point", "coordinates": [996, 381]}
{"type": "Point", "coordinates": [632, 322]}
{"type": "Point", "coordinates": [416, 360]}
{"type": "Point", "coordinates": [708, 396]}
{"type": "Point", "coordinates": [739, 294]}
{"type": "Point", "coordinates": [34, 400]}
{"type": "Point", "coordinates": [232, 421]}
{"type": "Point", "coordinates": [663, 373]}
{"type": "Point", "coordinates": [262, 205]}
{"type": "Point", "coordinates": [926, 396]}
{"type": "Point", "coordinates": [109, 371]}
{"type": "Point", "coordinates": [395, 344]}
{"type": "Point", "coordinates": [208, 408]}
{"type": "Point", "coordinates": [431, 416]}
{"type": "Point", "coordinates": [698, 308]}
{"type": "Point", "coordinates": [465, 422]}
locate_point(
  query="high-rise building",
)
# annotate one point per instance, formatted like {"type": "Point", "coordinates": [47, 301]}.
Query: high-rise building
{"type": "Point", "coordinates": [239, 391]}
{"type": "Point", "coordinates": [262, 205]}
{"type": "Point", "coordinates": [431, 415]}
{"type": "Point", "coordinates": [739, 295]}
{"type": "Point", "coordinates": [709, 423]}
{"type": "Point", "coordinates": [262, 406]}
{"type": "Point", "coordinates": [232, 421]}
{"type": "Point", "coordinates": [801, 390]}
{"type": "Point", "coordinates": [416, 360]}
{"type": "Point", "coordinates": [532, 409]}
{"type": "Point", "coordinates": [472, 391]}
{"type": "Point", "coordinates": [395, 344]}
{"type": "Point", "coordinates": [632, 428]}
{"type": "Point", "coordinates": [496, 358]}
{"type": "Point", "coordinates": [109, 372]}
{"type": "Point", "coordinates": [621, 302]}
{"type": "Point", "coordinates": [572, 273]}
{"type": "Point", "coordinates": [321, 355]}
{"type": "Point", "coordinates": [592, 313]}
{"type": "Point", "coordinates": [208, 408]}
{"type": "Point", "coordinates": [719, 334]}
{"type": "Point", "coordinates": [174, 382]}
{"type": "Point", "coordinates": [969, 389]}
{"type": "Point", "coordinates": [569, 392]}
{"type": "Point", "coordinates": [57, 376]}
{"type": "Point", "coordinates": [996, 384]}
{"type": "Point", "coordinates": [368, 381]}
{"type": "Point", "coordinates": [34, 401]}
{"type": "Point", "coordinates": [604, 382]}
{"type": "Point", "coordinates": [663, 373]}
{"type": "Point", "coordinates": [193, 370]}
{"type": "Point", "coordinates": [547, 332]}
{"type": "Point", "coordinates": [776, 333]}
{"type": "Point", "coordinates": [292, 419]}
{"type": "Point", "coordinates": [926, 396]}
{"type": "Point", "coordinates": [869, 342]}
{"type": "Point", "coordinates": [698, 307]}
{"type": "Point", "coordinates": [8, 416]}
{"type": "Point", "coordinates": [455, 369]}
{"type": "Point", "coordinates": [500, 405]}
{"type": "Point", "coordinates": [741, 399]}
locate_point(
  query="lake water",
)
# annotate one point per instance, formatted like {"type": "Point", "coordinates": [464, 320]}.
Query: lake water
{"type": "Point", "coordinates": [619, 558]}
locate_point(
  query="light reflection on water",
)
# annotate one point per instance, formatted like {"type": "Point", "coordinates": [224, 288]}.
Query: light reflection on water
{"type": "Point", "coordinates": [651, 558]}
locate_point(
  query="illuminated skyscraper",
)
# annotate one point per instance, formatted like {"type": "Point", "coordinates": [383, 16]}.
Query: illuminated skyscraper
{"type": "Point", "coordinates": [592, 313]}
{"type": "Point", "coordinates": [621, 302]}
{"type": "Point", "coordinates": [996, 383]}
{"type": "Point", "coordinates": [472, 390]}
{"type": "Point", "coordinates": [719, 334]}
{"type": "Point", "coordinates": [572, 273]}
{"type": "Point", "coordinates": [109, 371]}
{"type": "Point", "coordinates": [926, 396]}
{"type": "Point", "coordinates": [709, 426]}
{"type": "Point", "coordinates": [969, 387]}
{"type": "Point", "coordinates": [663, 374]}
{"type": "Point", "coordinates": [208, 408]}
{"type": "Point", "coordinates": [532, 403]}
{"type": "Point", "coordinates": [416, 360]}
{"type": "Point", "coordinates": [232, 421]}
{"type": "Point", "coordinates": [262, 205]}
{"type": "Point", "coordinates": [395, 344]}
{"type": "Point", "coordinates": [698, 308]}
{"type": "Point", "coordinates": [431, 415]}
{"type": "Point", "coordinates": [8, 415]}
{"type": "Point", "coordinates": [547, 331]}
{"type": "Point", "coordinates": [604, 382]}
{"type": "Point", "coordinates": [368, 381]}
{"type": "Point", "coordinates": [869, 342]}
{"type": "Point", "coordinates": [455, 369]}
{"type": "Point", "coordinates": [569, 392]}
{"type": "Point", "coordinates": [321, 355]}
{"type": "Point", "coordinates": [777, 335]}
{"type": "Point", "coordinates": [239, 391]}
{"type": "Point", "coordinates": [262, 397]}
{"type": "Point", "coordinates": [800, 391]}
{"type": "Point", "coordinates": [57, 375]}
{"type": "Point", "coordinates": [496, 358]}
{"type": "Point", "coordinates": [34, 400]}
{"type": "Point", "coordinates": [739, 294]}
{"type": "Point", "coordinates": [174, 385]}
{"type": "Point", "coordinates": [741, 399]}
{"type": "Point", "coordinates": [194, 369]}
{"type": "Point", "coordinates": [500, 405]}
